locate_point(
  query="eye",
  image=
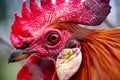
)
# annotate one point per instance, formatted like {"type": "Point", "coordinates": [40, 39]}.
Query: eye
{"type": "Point", "coordinates": [53, 38]}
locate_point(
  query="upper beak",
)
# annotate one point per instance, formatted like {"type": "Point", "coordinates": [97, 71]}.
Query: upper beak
{"type": "Point", "coordinates": [19, 54]}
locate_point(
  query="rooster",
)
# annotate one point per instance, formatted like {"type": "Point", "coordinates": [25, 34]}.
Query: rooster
{"type": "Point", "coordinates": [58, 48]}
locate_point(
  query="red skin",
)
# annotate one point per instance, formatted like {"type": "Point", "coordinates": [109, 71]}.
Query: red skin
{"type": "Point", "coordinates": [37, 68]}
{"type": "Point", "coordinates": [42, 64]}
{"type": "Point", "coordinates": [35, 24]}
{"type": "Point", "coordinates": [86, 12]}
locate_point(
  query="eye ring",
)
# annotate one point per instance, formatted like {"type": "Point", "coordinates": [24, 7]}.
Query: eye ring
{"type": "Point", "coordinates": [53, 38]}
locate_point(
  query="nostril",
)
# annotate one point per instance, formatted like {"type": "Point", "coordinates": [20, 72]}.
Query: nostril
{"type": "Point", "coordinates": [25, 45]}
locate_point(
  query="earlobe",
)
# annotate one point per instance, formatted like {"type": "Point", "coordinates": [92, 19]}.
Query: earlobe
{"type": "Point", "coordinates": [68, 63]}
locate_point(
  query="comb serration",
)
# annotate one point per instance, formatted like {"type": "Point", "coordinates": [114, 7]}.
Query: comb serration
{"type": "Point", "coordinates": [86, 12]}
{"type": "Point", "coordinates": [25, 11]}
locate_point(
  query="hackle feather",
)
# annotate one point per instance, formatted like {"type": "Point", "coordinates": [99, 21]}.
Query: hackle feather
{"type": "Point", "coordinates": [101, 56]}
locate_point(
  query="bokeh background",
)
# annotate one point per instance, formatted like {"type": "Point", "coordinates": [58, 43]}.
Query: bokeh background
{"type": "Point", "coordinates": [7, 9]}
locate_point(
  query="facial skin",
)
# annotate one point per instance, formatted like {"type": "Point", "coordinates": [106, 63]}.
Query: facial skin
{"type": "Point", "coordinates": [49, 42]}
{"type": "Point", "coordinates": [47, 45]}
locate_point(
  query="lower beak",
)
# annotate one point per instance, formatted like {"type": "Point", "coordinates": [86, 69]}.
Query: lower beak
{"type": "Point", "coordinates": [19, 54]}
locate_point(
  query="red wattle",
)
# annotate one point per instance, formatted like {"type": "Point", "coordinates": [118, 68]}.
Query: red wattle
{"type": "Point", "coordinates": [37, 68]}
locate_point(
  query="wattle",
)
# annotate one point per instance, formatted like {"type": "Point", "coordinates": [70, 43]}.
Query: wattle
{"type": "Point", "coordinates": [37, 68]}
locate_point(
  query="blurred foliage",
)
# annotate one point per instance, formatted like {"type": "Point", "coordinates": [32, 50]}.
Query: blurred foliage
{"type": "Point", "coordinates": [7, 9]}
{"type": "Point", "coordinates": [2, 10]}
{"type": "Point", "coordinates": [7, 71]}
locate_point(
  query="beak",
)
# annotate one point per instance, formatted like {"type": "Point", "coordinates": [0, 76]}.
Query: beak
{"type": "Point", "coordinates": [19, 54]}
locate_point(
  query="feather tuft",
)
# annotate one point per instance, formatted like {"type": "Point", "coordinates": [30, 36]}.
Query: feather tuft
{"type": "Point", "coordinates": [101, 56]}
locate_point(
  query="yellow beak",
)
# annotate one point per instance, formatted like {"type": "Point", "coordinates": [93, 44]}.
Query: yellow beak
{"type": "Point", "coordinates": [19, 54]}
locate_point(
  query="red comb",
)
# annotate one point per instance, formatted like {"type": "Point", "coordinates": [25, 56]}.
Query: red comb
{"type": "Point", "coordinates": [86, 12]}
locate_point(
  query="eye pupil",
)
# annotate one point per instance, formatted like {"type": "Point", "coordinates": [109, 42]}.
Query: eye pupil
{"type": "Point", "coordinates": [53, 38]}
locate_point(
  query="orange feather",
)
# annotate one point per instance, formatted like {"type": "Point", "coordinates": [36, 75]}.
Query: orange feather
{"type": "Point", "coordinates": [100, 52]}
{"type": "Point", "coordinates": [101, 56]}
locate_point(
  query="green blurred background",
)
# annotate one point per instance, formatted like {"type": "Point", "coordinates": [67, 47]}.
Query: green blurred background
{"type": "Point", "coordinates": [7, 9]}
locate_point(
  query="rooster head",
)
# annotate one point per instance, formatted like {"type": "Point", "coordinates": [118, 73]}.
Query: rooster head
{"type": "Point", "coordinates": [49, 36]}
